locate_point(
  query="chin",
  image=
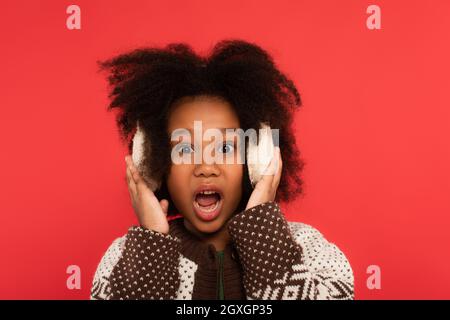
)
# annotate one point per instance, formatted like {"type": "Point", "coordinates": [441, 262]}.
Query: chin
{"type": "Point", "coordinates": [208, 227]}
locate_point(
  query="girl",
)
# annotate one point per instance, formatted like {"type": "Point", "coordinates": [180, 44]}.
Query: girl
{"type": "Point", "coordinates": [210, 230]}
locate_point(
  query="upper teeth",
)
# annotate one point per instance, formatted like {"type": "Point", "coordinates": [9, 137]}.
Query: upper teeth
{"type": "Point", "coordinates": [207, 192]}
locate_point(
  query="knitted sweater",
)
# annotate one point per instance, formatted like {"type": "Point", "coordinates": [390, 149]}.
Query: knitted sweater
{"type": "Point", "coordinates": [267, 258]}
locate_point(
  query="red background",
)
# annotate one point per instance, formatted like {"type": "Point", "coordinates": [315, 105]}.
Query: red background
{"type": "Point", "coordinates": [374, 131]}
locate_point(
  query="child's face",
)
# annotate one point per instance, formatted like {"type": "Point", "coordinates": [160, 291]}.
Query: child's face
{"type": "Point", "coordinates": [184, 180]}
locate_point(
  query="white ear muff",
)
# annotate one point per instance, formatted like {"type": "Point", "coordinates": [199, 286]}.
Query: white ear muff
{"type": "Point", "coordinates": [138, 157]}
{"type": "Point", "coordinates": [260, 154]}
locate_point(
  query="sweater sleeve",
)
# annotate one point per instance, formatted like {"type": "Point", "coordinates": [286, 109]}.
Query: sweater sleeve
{"type": "Point", "coordinates": [284, 260]}
{"type": "Point", "coordinates": [143, 264]}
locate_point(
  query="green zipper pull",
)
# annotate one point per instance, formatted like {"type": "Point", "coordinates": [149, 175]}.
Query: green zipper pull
{"type": "Point", "coordinates": [220, 294]}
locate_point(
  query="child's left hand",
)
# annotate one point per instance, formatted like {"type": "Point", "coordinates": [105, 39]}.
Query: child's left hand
{"type": "Point", "coordinates": [266, 189]}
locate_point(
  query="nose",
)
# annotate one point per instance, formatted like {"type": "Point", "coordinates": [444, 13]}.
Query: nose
{"type": "Point", "coordinates": [206, 170]}
{"type": "Point", "coordinates": [207, 166]}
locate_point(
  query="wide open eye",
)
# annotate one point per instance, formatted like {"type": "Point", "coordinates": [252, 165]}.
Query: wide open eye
{"type": "Point", "coordinates": [227, 147]}
{"type": "Point", "coordinates": [184, 148]}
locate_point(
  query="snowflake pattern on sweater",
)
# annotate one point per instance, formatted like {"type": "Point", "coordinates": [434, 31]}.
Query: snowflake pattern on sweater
{"type": "Point", "coordinates": [279, 259]}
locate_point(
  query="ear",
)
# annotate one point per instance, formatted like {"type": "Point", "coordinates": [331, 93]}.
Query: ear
{"type": "Point", "coordinates": [138, 157]}
{"type": "Point", "coordinates": [260, 154]}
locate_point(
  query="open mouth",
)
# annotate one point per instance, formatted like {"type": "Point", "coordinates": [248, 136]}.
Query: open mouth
{"type": "Point", "coordinates": [207, 204]}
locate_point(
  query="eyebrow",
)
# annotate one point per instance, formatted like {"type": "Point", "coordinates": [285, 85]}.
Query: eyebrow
{"type": "Point", "coordinates": [221, 129]}
{"type": "Point", "coordinates": [192, 130]}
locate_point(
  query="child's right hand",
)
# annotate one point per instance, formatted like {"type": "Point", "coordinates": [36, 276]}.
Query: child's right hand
{"type": "Point", "coordinates": [150, 212]}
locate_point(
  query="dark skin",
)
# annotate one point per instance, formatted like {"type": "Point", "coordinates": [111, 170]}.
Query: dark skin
{"type": "Point", "coordinates": [183, 179]}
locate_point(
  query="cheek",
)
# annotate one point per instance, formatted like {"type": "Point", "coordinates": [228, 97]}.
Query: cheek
{"type": "Point", "coordinates": [234, 178]}
{"type": "Point", "coordinates": [177, 181]}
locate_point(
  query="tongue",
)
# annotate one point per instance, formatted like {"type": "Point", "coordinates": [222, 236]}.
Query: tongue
{"type": "Point", "coordinates": [206, 200]}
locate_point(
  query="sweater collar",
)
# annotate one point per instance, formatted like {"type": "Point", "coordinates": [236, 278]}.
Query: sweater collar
{"type": "Point", "coordinates": [193, 247]}
{"type": "Point", "coordinates": [204, 255]}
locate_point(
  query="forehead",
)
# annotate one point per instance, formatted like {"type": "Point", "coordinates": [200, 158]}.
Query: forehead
{"type": "Point", "coordinates": [212, 112]}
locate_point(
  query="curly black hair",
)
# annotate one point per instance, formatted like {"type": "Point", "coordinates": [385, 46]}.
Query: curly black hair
{"type": "Point", "coordinates": [146, 82]}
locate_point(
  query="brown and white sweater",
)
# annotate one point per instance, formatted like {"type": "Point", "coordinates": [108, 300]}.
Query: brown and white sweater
{"type": "Point", "coordinates": [268, 258]}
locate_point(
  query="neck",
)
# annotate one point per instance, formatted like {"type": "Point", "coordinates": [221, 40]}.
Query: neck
{"type": "Point", "coordinates": [218, 239]}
